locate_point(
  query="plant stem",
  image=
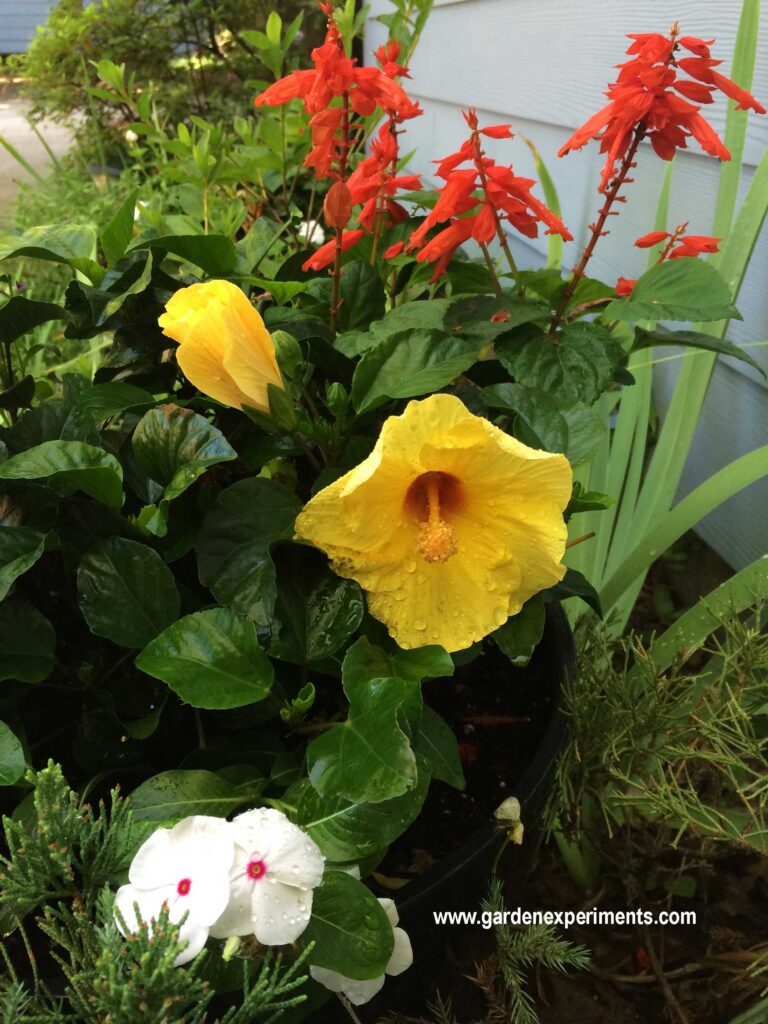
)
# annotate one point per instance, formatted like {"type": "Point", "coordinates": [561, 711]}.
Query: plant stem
{"type": "Point", "coordinates": [343, 158]}
{"type": "Point", "coordinates": [492, 270]}
{"type": "Point", "coordinates": [597, 228]}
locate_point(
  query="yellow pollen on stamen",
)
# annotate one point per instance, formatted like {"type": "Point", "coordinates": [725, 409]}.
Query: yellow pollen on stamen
{"type": "Point", "coordinates": [437, 540]}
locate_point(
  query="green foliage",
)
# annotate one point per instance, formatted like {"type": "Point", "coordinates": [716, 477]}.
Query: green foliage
{"type": "Point", "coordinates": [155, 43]}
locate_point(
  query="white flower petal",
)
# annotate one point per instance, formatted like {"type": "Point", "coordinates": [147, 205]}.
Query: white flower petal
{"type": "Point", "coordinates": [402, 954]}
{"type": "Point", "coordinates": [237, 918]}
{"type": "Point", "coordinates": [357, 992]}
{"type": "Point", "coordinates": [154, 863]}
{"type": "Point", "coordinates": [280, 913]}
{"type": "Point", "coordinates": [150, 902]}
{"type": "Point", "coordinates": [288, 852]}
{"type": "Point", "coordinates": [389, 908]}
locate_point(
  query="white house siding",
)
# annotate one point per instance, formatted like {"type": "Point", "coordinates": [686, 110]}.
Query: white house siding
{"type": "Point", "coordinates": [18, 21]}
{"type": "Point", "coordinates": [544, 66]}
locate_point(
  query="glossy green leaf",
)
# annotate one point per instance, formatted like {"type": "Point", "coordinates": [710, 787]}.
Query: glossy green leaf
{"type": "Point", "coordinates": [20, 548]}
{"type": "Point", "coordinates": [211, 659]}
{"type": "Point", "coordinates": [575, 584]}
{"type": "Point", "coordinates": [578, 367]}
{"type": "Point", "coordinates": [438, 746]}
{"type": "Point", "coordinates": [177, 794]}
{"type": "Point", "coordinates": [521, 633]}
{"type": "Point", "coordinates": [684, 289]}
{"type": "Point", "coordinates": [173, 447]}
{"type": "Point", "coordinates": [69, 466]}
{"type": "Point", "coordinates": [572, 428]}
{"type": "Point", "coordinates": [351, 932]}
{"type": "Point", "coordinates": [233, 545]}
{"type": "Point", "coordinates": [72, 244]}
{"type": "Point", "coordinates": [410, 316]}
{"type": "Point", "coordinates": [12, 761]}
{"type": "Point", "coordinates": [409, 364]}
{"type": "Point", "coordinates": [27, 643]}
{"type": "Point", "coordinates": [317, 611]}
{"type": "Point", "coordinates": [692, 339]}
{"type": "Point", "coordinates": [364, 661]}
{"type": "Point", "coordinates": [113, 397]}
{"type": "Point", "coordinates": [215, 254]}
{"type": "Point", "coordinates": [126, 592]}
{"type": "Point", "coordinates": [20, 315]}
{"type": "Point", "coordinates": [362, 296]}
{"type": "Point", "coordinates": [116, 236]}
{"type": "Point", "coordinates": [345, 831]}
{"type": "Point", "coordinates": [369, 758]}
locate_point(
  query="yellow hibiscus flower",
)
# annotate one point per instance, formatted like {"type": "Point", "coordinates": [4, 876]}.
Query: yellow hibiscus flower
{"type": "Point", "coordinates": [449, 525]}
{"type": "Point", "coordinates": [224, 348]}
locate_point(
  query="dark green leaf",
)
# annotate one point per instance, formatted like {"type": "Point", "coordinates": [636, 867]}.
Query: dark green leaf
{"type": "Point", "coordinates": [587, 501]}
{"type": "Point", "coordinates": [73, 244]}
{"type": "Point", "coordinates": [69, 466]}
{"type": "Point", "coordinates": [520, 634]}
{"type": "Point", "coordinates": [683, 289]}
{"type": "Point", "coordinates": [578, 366]}
{"type": "Point", "coordinates": [574, 584]}
{"type": "Point", "coordinates": [483, 318]}
{"type": "Point", "coordinates": [117, 235]}
{"type": "Point", "coordinates": [411, 316]}
{"type": "Point", "coordinates": [173, 447]}
{"type": "Point", "coordinates": [212, 659]}
{"type": "Point", "coordinates": [20, 548]}
{"type": "Point", "coordinates": [409, 364]}
{"type": "Point", "coordinates": [110, 399]}
{"type": "Point", "coordinates": [20, 315]}
{"type": "Point", "coordinates": [365, 661]}
{"type": "Point", "coordinates": [438, 745]}
{"type": "Point", "coordinates": [12, 761]}
{"type": "Point", "coordinates": [345, 831]}
{"type": "Point", "coordinates": [317, 610]}
{"type": "Point", "coordinates": [126, 592]}
{"type": "Point", "coordinates": [20, 395]}
{"type": "Point", "coordinates": [692, 339]}
{"type": "Point", "coordinates": [234, 542]}
{"type": "Point", "coordinates": [351, 932]}
{"type": "Point", "coordinates": [368, 758]}
{"type": "Point", "coordinates": [177, 794]}
{"type": "Point", "coordinates": [362, 296]}
{"type": "Point", "coordinates": [215, 254]}
{"type": "Point", "coordinates": [27, 643]}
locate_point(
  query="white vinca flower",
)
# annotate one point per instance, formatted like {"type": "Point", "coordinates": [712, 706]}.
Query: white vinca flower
{"type": "Point", "coordinates": [359, 992]}
{"type": "Point", "coordinates": [187, 868]}
{"type": "Point", "coordinates": [275, 869]}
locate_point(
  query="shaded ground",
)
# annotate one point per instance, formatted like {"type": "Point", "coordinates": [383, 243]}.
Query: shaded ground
{"type": "Point", "coordinates": [15, 130]}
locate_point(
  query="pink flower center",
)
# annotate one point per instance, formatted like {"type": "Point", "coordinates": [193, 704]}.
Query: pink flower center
{"type": "Point", "coordinates": [256, 869]}
{"type": "Point", "coordinates": [184, 886]}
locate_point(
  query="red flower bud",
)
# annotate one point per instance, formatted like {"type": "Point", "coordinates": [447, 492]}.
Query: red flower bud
{"type": "Point", "coordinates": [337, 208]}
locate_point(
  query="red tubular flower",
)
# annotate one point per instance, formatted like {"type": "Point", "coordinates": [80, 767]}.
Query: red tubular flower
{"type": "Point", "coordinates": [642, 101]}
{"type": "Point", "coordinates": [475, 200]}
{"type": "Point", "coordinates": [326, 253]}
{"type": "Point", "coordinates": [624, 285]}
{"type": "Point", "coordinates": [337, 76]}
{"type": "Point", "coordinates": [651, 239]}
{"type": "Point", "coordinates": [694, 245]}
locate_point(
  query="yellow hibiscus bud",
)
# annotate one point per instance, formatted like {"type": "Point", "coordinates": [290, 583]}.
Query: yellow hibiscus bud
{"type": "Point", "coordinates": [224, 348]}
{"type": "Point", "coordinates": [449, 525]}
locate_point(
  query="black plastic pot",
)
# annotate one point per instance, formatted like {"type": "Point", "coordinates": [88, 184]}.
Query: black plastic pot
{"type": "Point", "coordinates": [460, 881]}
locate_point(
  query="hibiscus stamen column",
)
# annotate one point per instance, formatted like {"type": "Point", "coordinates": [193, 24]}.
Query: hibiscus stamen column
{"type": "Point", "coordinates": [437, 539]}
